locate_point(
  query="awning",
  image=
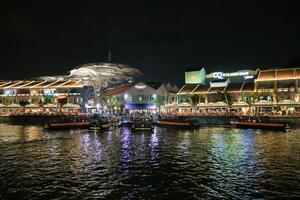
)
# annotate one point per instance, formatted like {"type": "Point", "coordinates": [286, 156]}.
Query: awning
{"type": "Point", "coordinates": [2, 106]}
{"type": "Point", "coordinates": [143, 106]}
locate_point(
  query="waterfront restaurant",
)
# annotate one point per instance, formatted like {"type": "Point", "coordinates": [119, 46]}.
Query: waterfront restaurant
{"type": "Point", "coordinates": [36, 96]}
{"type": "Point", "coordinates": [139, 97]}
{"type": "Point", "coordinates": [278, 91]}
{"type": "Point", "coordinates": [220, 93]}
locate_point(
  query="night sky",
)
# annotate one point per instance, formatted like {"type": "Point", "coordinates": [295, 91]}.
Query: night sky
{"type": "Point", "coordinates": [161, 38]}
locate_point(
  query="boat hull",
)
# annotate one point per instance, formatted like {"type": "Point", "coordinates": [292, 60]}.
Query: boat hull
{"type": "Point", "coordinates": [70, 125]}
{"type": "Point", "coordinates": [260, 125]}
{"type": "Point", "coordinates": [176, 124]}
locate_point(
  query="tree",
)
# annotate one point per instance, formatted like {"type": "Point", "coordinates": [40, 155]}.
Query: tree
{"type": "Point", "coordinates": [195, 99]}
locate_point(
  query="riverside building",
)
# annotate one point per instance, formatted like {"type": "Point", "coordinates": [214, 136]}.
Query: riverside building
{"type": "Point", "coordinates": [140, 97]}
{"type": "Point", "coordinates": [36, 96]}
{"type": "Point", "coordinates": [217, 92]}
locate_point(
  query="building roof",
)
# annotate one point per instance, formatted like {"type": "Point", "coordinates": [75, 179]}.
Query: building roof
{"type": "Point", "coordinates": [154, 85]}
{"type": "Point", "coordinates": [119, 90]}
{"type": "Point", "coordinates": [234, 87]}
{"type": "Point", "coordinates": [278, 74]}
{"type": "Point", "coordinates": [201, 89]}
{"type": "Point", "coordinates": [216, 89]}
{"type": "Point", "coordinates": [188, 88]}
{"type": "Point", "coordinates": [248, 87]}
{"type": "Point", "coordinates": [39, 84]}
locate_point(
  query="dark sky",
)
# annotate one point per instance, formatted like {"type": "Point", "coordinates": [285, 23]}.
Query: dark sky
{"type": "Point", "coordinates": [160, 37]}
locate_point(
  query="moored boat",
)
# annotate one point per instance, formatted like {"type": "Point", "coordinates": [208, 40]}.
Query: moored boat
{"type": "Point", "coordinates": [177, 121]}
{"type": "Point", "coordinates": [142, 123]}
{"type": "Point", "coordinates": [259, 123]}
{"type": "Point", "coordinates": [103, 123]}
{"type": "Point", "coordinates": [69, 123]}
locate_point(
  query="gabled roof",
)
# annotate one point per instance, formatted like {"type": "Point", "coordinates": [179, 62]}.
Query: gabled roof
{"type": "Point", "coordinates": [154, 85]}
{"type": "Point", "coordinates": [119, 90]}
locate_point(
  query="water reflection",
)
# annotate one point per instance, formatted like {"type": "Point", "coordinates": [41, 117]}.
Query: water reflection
{"type": "Point", "coordinates": [206, 163]}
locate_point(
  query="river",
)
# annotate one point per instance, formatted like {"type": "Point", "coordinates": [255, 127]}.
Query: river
{"type": "Point", "coordinates": [208, 163]}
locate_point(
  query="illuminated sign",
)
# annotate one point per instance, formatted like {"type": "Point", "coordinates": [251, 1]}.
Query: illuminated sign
{"type": "Point", "coordinates": [140, 86]}
{"type": "Point", "coordinates": [249, 74]}
{"type": "Point", "coordinates": [192, 77]}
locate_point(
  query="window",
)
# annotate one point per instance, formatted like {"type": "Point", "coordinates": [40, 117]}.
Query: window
{"type": "Point", "coordinates": [151, 98]}
{"type": "Point", "coordinates": [127, 97]}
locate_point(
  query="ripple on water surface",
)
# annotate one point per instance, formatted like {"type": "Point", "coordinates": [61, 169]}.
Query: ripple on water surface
{"type": "Point", "coordinates": [183, 164]}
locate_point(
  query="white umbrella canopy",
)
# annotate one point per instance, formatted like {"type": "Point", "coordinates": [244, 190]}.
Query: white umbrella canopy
{"type": "Point", "coordinates": [2, 105]}
{"type": "Point", "coordinates": [201, 104]}
{"type": "Point", "coordinates": [71, 105]}
{"type": "Point", "coordinates": [240, 104]}
{"type": "Point", "coordinates": [13, 105]}
{"type": "Point", "coordinates": [264, 103]}
{"type": "Point", "coordinates": [219, 104]}
{"type": "Point", "coordinates": [288, 102]}
{"type": "Point", "coordinates": [170, 105]}
{"type": "Point", "coordinates": [184, 104]}
{"type": "Point", "coordinates": [50, 105]}
{"type": "Point", "coordinates": [31, 105]}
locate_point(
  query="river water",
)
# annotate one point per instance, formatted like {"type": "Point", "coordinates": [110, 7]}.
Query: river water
{"type": "Point", "coordinates": [208, 163]}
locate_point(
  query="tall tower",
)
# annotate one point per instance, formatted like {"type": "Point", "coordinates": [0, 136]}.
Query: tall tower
{"type": "Point", "coordinates": [109, 48]}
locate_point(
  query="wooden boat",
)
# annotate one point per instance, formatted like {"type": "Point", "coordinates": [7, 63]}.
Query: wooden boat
{"type": "Point", "coordinates": [142, 123]}
{"type": "Point", "coordinates": [103, 123]}
{"type": "Point", "coordinates": [259, 123]}
{"type": "Point", "coordinates": [178, 122]}
{"type": "Point", "coordinates": [67, 125]}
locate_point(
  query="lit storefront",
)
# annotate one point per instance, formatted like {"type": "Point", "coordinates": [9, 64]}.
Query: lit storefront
{"type": "Point", "coordinates": [141, 97]}
{"type": "Point", "coordinates": [32, 96]}
{"type": "Point", "coordinates": [134, 97]}
{"type": "Point", "coordinates": [220, 93]}
{"type": "Point", "coordinates": [277, 91]}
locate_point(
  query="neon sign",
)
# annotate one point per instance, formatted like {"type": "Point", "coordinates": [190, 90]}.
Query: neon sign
{"type": "Point", "coordinates": [222, 75]}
